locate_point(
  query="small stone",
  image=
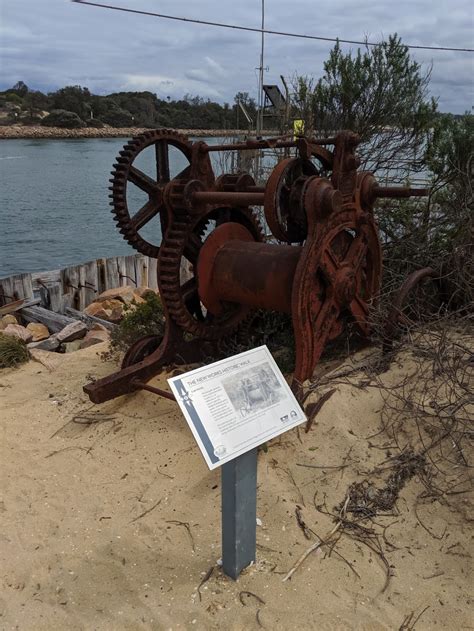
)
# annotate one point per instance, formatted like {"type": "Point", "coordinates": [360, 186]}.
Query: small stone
{"type": "Point", "coordinates": [50, 344]}
{"type": "Point", "coordinates": [71, 347]}
{"type": "Point", "coordinates": [38, 330]}
{"type": "Point", "coordinates": [6, 320]}
{"type": "Point", "coordinates": [16, 330]}
{"type": "Point", "coordinates": [71, 332]}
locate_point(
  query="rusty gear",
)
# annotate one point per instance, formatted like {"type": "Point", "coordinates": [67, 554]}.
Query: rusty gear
{"type": "Point", "coordinates": [284, 211]}
{"type": "Point", "coordinates": [182, 244]}
{"type": "Point", "coordinates": [126, 172]}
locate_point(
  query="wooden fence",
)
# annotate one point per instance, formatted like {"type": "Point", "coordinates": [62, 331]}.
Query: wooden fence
{"type": "Point", "coordinates": [77, 286]}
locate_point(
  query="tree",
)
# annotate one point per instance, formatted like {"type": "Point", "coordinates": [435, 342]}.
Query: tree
{"type": "Point", "coordinates": [20, 88]}
{"type": "Point", "coordinates": [382, 95]}
{"type": "Point", "coordinates": [36, 102]}
{"type": "Point", "coordinates": [73, 98]}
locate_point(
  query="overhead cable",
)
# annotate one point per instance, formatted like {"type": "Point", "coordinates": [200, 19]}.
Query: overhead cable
{"type": "Point", "coordinates": [260, 30]}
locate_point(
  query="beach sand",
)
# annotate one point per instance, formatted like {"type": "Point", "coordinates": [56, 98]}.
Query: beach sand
{"type": "Point", "coordinates": [111, 519]}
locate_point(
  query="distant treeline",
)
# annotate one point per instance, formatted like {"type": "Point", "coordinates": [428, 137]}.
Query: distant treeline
{"type": "Point", "coordinates": [76, 106]}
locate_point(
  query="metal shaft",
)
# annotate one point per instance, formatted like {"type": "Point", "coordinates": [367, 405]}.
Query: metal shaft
{"type": "Point", "coordinates": [229, 198]}
{"type": "Point", "coordinates": [397, 192]}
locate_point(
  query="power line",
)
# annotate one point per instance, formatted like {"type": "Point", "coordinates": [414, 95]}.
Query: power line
{"type": "Point", "coordinates": [261, 30]}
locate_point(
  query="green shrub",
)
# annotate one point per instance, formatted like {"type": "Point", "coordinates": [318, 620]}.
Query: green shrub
{"type": "Point", "coordinates": [94, 122]}
{"type": "Point", "coordinates": [13, 351]}
{"type": "Point", "coordinates": [140, 320]}
{"type": "Point", "coordinates": [63, 118]}
{"type": "Point", "coordinates": [118, 117]}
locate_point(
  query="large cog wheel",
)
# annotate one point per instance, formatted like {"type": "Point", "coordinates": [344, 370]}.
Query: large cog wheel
{"type": "Point", "coordinates": [125, 173]}
{"type": "Point", "coordinates": [182, 244]}
{"type": "Point", "coordinates": [283, 209]}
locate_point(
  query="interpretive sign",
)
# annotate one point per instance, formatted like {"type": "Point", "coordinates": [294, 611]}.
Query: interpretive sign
{"type": "Point", "coordinates": [236, 404]}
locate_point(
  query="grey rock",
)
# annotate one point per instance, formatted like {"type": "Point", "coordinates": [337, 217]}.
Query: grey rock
{"type": "Point", "coordinates": [71, 347]}
{"type": "Point", "coordinates": [51, 344]}
{"type": "Point", "coordinates": [71, 332]}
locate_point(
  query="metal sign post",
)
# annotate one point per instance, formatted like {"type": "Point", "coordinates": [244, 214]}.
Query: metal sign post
{"type": "Point", "coordinates": [239, 513]}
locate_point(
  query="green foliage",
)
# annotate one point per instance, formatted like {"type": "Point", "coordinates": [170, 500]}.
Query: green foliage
{"type": "Point", "coordinates": [11, 97]}
{"type": "Point", "coordinates": [62, 118]}
{"type": "Point", "coordinates": [437, 231]}
{"type": "Point", "coordinates": [118, 117]}
{"type": "Point", "coordinates": [35, 101]}
{"type": "Point", "coordinates": [72, 98]}
{"type": "Point", "coordinates": [450, 154]}
{"type": "Point", "coordinates": [95, 122]}
{"type": "Point", "coordinates": [379, 93]}
{"type": "Point", "coordinates": [13, 351]}
{"type": "Point", "coordinates": [381, 86]}
{"type": "Point", "coordinates": [271, 328]}
{"type": "Point", "coordinates": [140, 320]}
{"type": "Point", "coordinates": [140, 109]}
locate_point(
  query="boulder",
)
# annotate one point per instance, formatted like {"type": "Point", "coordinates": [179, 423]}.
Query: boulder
{"type": "Point", "coordinates": [6, 320]}
{"type": "Point", "coordinates": [16, 330]}
{"type": "Point", "coordinates": [124, 294]}
{"type": "Point", "coordinates": [50, 344]}
{"type": "Point", "coordinates": [96, 309]}
{"type": "Point", "coordinates": [95, 336]}
{"type": "Point", "coordinates": [71, 332]}
{"type": "Point", "coordinates": [110, 310]}
{"type": "Point", "coordinates": [38, 330]}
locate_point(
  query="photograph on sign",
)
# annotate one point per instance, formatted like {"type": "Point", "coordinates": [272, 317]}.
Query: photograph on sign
{"type": "Point", "coordinates": [236, 404]}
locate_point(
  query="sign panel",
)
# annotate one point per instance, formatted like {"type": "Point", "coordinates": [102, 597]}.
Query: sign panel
{"type": "Point", "coordinates": [236, 404]}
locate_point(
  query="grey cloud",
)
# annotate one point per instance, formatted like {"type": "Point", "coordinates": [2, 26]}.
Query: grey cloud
{"type": "Point", "coordinates": [48, 43]}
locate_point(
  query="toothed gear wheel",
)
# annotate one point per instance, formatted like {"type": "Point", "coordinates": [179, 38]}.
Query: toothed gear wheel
{"type": "Point", "coordinates": [125, 172]}
{"type": "Point", "coordinates": [182, 244]}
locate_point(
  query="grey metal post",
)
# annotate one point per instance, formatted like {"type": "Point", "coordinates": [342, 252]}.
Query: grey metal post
{"type": "Point", "coordinates": [239, 513]}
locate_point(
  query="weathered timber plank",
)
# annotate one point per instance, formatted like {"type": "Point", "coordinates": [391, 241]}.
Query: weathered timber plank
{"type": "Point", "coordinates": [15, 288]}
{"type": "Point", "coordinates": [89, 284]}
{"type": "Point", "coordinates": [152, 273]}
{"type": "Point", "coordinates": [141, 270]}
{"type": "Point", "coordinates": [54, 321]}
{"type": "Point", "coordinates": [56, 298]}
{"type": "Point", "coordinates": [18, 304]}
{"type": "Point", "coordinates": [112, 273]}
{"type": "Point", "coordinates": [101, 275]}
{"type": "Point", "coordinates": [45, 278]}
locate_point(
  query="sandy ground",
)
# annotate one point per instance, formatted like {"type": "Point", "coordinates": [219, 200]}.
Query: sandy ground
{"type": "Point", "coordinates": [110, 520]}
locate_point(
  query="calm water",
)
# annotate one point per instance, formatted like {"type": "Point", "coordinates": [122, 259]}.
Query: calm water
{"type": "Point", "coordinates": [54, 205]}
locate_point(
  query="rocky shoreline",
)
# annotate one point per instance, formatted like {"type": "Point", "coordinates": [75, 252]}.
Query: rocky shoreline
{"type": "Point", "coordinates": [23, 131]}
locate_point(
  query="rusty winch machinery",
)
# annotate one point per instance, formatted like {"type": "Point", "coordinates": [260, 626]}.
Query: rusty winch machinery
{"type": "Point", "coordinates": [315, 256]}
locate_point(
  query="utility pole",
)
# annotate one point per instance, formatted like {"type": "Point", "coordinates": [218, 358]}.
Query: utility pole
{"type": "Point", "coordinates": [260, 77]}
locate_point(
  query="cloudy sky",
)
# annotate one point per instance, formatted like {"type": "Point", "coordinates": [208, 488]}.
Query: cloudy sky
{"type": "Point", "coordinates": [53, 43]}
